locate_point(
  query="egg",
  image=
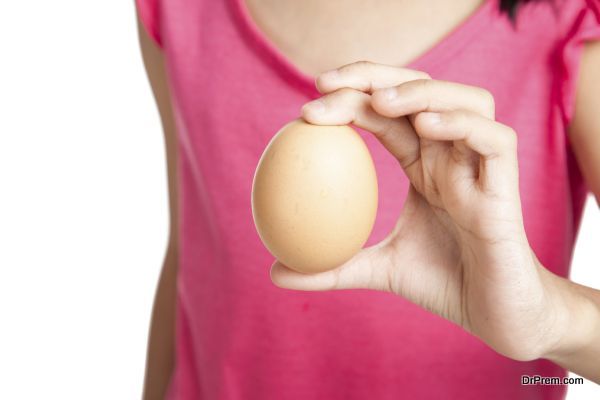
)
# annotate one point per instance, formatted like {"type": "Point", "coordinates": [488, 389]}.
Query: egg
{"type": "Point", "coordinates": [314, 196]}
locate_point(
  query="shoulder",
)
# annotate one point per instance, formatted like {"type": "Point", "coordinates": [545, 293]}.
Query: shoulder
{"type": "Point", "coordinates": [584, 130]}
{"type": "Point", "coordinates": [579, 23]}
{"type": "Point", "coordinates": [562, 17]}
{"type": "Point", "coordinates": [149, 16]}
{"type": "Point", "coordinates": [586, 118]}
{"type": "Point", "coordinates": [576, 16]}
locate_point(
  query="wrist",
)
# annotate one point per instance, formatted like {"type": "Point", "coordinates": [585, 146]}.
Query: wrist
{"type": "Point", "coordinates": [576, 320]}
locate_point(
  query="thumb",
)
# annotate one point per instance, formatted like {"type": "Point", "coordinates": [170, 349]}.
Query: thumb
{"type": "Point", "coordinates": [368, 269]}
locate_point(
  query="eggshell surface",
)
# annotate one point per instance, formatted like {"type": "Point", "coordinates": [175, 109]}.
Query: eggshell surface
{"type": "Point", "coordinates": [314, 196]}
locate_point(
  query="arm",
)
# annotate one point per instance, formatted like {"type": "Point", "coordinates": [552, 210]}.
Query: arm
{"type": "Point", "coordinates": [581, 351]}
{"type": "Point", "coordinates": [479, 271]}
{"type": "Point", "coordinates": [584, 132]}
{"type": "Point", "coordinates": [160, 353]}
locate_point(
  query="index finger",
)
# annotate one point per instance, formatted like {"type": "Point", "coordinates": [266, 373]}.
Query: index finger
{"type": "Point", "coordinates": [366, 77]}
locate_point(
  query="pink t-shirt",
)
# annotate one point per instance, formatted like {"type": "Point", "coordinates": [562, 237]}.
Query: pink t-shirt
{"type": "Point", "coordinates": [239, 336]}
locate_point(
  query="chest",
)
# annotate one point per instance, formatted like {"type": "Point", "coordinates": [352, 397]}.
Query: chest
{"type": "Point", "coordinates": [318, 35]}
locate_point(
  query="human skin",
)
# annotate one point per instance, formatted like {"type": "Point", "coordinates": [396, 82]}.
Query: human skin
{"type": "Point", "coordinates": [161, 341]}
{"type": "Point", "coordinates": [459, 247]}
{"type": "Point", "coordinates": [414, 37]}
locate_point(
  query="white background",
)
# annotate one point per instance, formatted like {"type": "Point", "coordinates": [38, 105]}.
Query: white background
{"type": "Point", "coordinates": [83, 206]}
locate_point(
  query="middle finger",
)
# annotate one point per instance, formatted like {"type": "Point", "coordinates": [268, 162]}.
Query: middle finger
{"type": "Point", "coordinates": [347, 106]}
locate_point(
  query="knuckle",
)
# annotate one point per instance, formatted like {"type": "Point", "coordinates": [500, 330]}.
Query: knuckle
{"type": "Point", "coordinates": [509, 138]}
{"type": "Point", "coordinates": [488, 99]}
{"type": "Point", "coordinates": [422, 75]}
{"type": "Point", "coordinates": [485, 94]}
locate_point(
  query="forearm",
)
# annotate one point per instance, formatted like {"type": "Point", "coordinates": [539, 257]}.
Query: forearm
{"type": "Point", "coordinates": [578, 348]}
{"type": "Point", "coordinates": [161, 350]}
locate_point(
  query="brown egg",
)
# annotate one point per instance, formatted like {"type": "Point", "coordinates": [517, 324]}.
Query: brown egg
{"type": "Point", "coordinates": [314, 196]}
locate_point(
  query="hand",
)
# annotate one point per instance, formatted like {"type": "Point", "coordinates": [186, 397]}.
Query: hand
{"type": "Point", "coordinates": [459, 248]}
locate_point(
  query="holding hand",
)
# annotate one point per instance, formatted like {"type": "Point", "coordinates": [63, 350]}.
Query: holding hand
{"type": "Point", "coordinates": [459, 248]}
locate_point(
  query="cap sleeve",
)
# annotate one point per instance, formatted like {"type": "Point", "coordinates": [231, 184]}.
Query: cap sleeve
{"type": "Point", "coordinates": [149, 14]}
{"type": "Point", "coordinates": [583, 25]}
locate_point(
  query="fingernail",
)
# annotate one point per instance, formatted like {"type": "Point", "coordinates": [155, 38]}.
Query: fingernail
{"type": "Point", "coordinates": [315, 107]}
{"type": "Point", "coordinates": [432, 117]}
{"type": "Point", "coordinates": [389, 94]}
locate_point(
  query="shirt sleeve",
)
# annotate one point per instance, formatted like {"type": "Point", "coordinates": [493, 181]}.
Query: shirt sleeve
{"type": "Point", "coordinates": [149, 15]}
{"type": "Point", "coordinates": [583, 25]}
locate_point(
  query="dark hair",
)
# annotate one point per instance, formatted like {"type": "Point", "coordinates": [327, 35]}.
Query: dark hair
{"type": "Point", "coordinates": [511, 6]}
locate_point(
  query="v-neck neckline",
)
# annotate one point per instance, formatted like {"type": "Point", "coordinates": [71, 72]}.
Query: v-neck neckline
{"type": "Point", "coordinates": [444, 48]}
